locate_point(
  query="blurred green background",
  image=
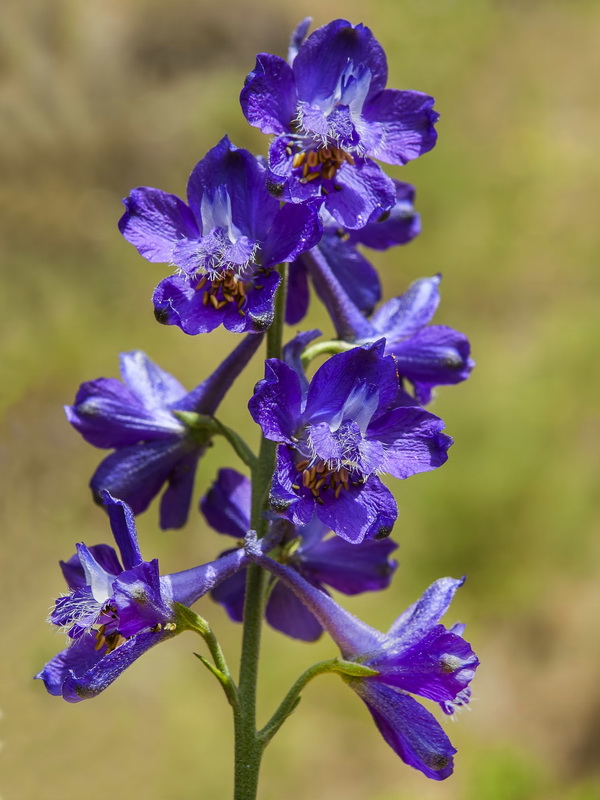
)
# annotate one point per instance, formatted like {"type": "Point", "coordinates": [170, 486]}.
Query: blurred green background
{"type": "Point", "coordinates": [97, 97]}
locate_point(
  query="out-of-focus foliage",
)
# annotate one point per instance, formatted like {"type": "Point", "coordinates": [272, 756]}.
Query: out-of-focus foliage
{"type": "Point", "coordinates": [99, 97]}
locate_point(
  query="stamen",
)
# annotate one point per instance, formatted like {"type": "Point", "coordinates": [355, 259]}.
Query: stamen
{"type": "Point", "coordinates": [299, 159]}
{"type": "Point", "coordinates": [320, 477]}
{"type": "Point", "coordinates": [223, 290]}
{"type": "Point", "coordinates": [322, 163]}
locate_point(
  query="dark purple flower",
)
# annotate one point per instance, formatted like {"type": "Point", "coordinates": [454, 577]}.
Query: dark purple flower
{"type": "Point", "coordinates": [426, 355]}
{"type": "Point", "coordinates": [114, 613]}
{"type": "Point", "coordinates": [138, 418]}
{"type": "Point", "coordinates": [336, 437]}
{"type": "Point", "coordinates": [338, 249]}
{"type": "Point", "coordinates": [416, 656]}
{"type": "Point", "coordinates": [331, 114]}
{"type": "Point", "coordinates": [224, 243]}
{"type": "Point", "coordinates": [348, 568]}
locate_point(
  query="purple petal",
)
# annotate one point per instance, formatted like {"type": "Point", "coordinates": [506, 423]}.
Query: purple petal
{"type": "Point", "coordinates": [325, 55]}
{"type": "Point", "coordinates": [252, 207]}
{"type": "Point", "coordinates": [150, 384]}
{"type": "Point", "coordinates": [409, 729]}
{"type": "Point", "coordinates": [367, 511]}
{"type": "Point", "coordinates": [413, 441]}
{"type": "Point", "coordinates": [268, 98]}
{"type": "Point", "coordinates": [398, 226]}
{"type": "Point", "coordinates": [122, 523]}
{"type": "Point", "coordinates": [155, 221]}
{"type": "Point", "coordinates": [348, 319]}
{"type": "Point", "coordinates": [311, 536]}
{"type": "Point", "coordinates": [405, 122]}
{"type": "Point", "coordinates": [275, 405]}
{"type": "Point", "coordinates": [297, 37]}
{"type": "Point", "coordinates": [136, 474]}
{"type": "Point", "coordinates": [226, 506]}
{"type": "Point", "coordinates": [295, 505]}
{"type": "Point", "coordinates": [231, 595]}
{"type": "Point", "coordinates": [107, 415]}
{"type": "Point", "coordinates": [434, 356]}
{"type": "Point", "coordinates": [364, 189]}
{"type": "Point", "coordinates": [349, 568]}
{"type": "Point", "coordinates": [286, 613]}
{"type": "Point", "coordinates": [438, 666]}
{"type": "Point", "coordinates": [297, 297]}
{"type": "Point", "coordinates": [139, 601]}
{"type": "Point", "coordinates": [177, 302]}
{"type": "Point", "coordinates": [356, 275]}
{"type": "Point", "coordinates": [103, 554]}
{"type": "Point", "coordinates": [96, 577]}
{"type": "Point", "coordinates": [280, 180]}
{"type": "Point", "coordinates": [407, 314]}
{"type": "Point", "coordinates": [86, 678]}
{"type": "Point", "coordinates": [177, 497]}
{"type": "Point", "coordinates": [340, 375]}
{"type": "Point", "coordinates": [74, 660]}
{"type": "Point", "coordinates": [427, 611]}
{"type": "Point", "coordinates": [295, 229]}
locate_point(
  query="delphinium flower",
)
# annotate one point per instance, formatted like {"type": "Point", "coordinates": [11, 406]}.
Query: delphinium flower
{"type": "Point", "coordinates": [339, 252]}
{"type": "Point", "coordinates": [115, 611]}
{"type": "Point", "coordinates": [338, 435]}
{"type": "Point", "coordinates": [417, 655]}
{"type": "Point", "coordinates": [224, 243]}
{"type": "Point", "coordinates": [426, 355]}
{"type": "Point", "coordinates": [347, 568]}
{"type": "Point", "coordinates": [153, 446]}
{"type": "Point", "coordinates": [331, 115]}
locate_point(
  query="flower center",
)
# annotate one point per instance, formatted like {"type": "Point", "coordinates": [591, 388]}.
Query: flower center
{"type": "Point", "coordinates": [111, 640]}
{"type": "Point", "coordinates": [320, 478]}
{"type": "Point", "coordinates": [324, 163]}
{"type": "Point", "coordinates": [223, 290]}
{"type": "Point", "coordinates": [107, 634]}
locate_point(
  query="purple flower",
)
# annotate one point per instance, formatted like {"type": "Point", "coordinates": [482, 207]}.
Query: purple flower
{"type": "Point", "coordinates": [426, 355]}
{"type": "Point", "coordinates": [338, 435]}
{"type": "Point", "coordinates": [224, 243]}
{"type": "Point", "coordinates": [331, 114]}
{"type": "Point", "coordinates": [416, 656]}
{"type": "Point", "coordinates": [338, 249]}
{"type": "Point", "coordinates": [114, 613]}
{"type": "Point", "coordinates": [348, 568]}
{"type": "Point", "coordinates": [138, 418]}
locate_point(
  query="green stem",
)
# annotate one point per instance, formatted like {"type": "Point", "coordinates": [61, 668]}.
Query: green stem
{"type": "Point", "coordinates": [187, 618]}
{"type": "Point", "coordinates": [292, 698]}
{"type": "Point", "coordinates": [238, 444]}
{"type": "Point", "coordinates": [248, 746]}
{"type": "Point", "coordinates": [328, 347]}
{"type": "Point", "coordinates": [204, 427]}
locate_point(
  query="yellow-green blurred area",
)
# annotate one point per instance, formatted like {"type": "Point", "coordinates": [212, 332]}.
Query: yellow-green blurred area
{"type": "Point", "coordinates": [100, 96]}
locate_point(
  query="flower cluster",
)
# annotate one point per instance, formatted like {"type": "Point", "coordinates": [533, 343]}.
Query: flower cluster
{"type": "Point", "coordinates": [243, 249]}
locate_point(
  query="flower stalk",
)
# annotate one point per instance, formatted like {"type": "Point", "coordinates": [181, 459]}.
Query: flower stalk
{"type": "Point", "coordinates": [249, 746]}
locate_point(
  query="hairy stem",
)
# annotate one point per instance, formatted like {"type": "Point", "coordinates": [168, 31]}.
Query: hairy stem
{"type": "Point", "coordinates": [248, 746]}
